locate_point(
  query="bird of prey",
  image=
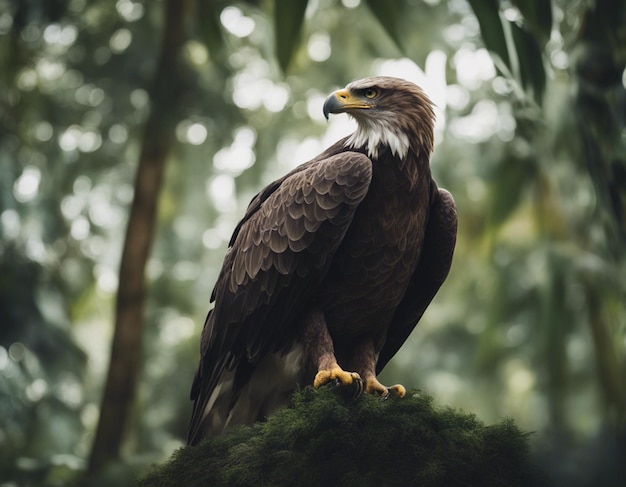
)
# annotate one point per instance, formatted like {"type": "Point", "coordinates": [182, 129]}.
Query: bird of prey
{"type": "Point", "coordinates": [332, 265]}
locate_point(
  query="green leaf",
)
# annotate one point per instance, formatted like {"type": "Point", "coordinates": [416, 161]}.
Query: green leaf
{"type": "Point", "coordinates": [488, 14]}
{"type": "Point", "coordinates": [538, 16]}
{"type": "Point", "coordinates": [528, 66]}
{"type": "Point", "coordinates": [288, 19]}
{"type": "Point", "coordinates": [509, 181]}
{"type": "Point", "coordinates": [389, 15]}
{"type": "Point", "coordinates": [531, 68]}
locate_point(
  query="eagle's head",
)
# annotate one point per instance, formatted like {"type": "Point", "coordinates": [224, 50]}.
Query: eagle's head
{"type": "Point", "coordinates": [389, 112]}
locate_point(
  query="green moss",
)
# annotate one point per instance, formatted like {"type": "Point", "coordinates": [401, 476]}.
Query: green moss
{"type": "Point", "coordinates": [322, 439]}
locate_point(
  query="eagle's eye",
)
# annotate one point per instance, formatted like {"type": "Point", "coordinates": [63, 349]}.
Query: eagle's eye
{"type": "Point", "coordinates": [371, 93]}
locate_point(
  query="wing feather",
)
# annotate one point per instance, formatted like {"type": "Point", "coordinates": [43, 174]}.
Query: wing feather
{"type": "Point", "coordinates": [278, 253]}
{"type": "Point", "coordinates": [431, 271]}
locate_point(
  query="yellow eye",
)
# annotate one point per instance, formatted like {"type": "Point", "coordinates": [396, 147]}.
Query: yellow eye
{"type": "Point", "coordinates": [371, 93]}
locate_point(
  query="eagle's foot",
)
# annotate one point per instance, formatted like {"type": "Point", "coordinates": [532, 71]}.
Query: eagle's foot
{"type": "Point", "coordinates": [336, 374]}
{"type": "Point", "coordinates": [372, 386]}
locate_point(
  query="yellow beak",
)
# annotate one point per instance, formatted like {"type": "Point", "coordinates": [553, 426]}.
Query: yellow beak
{"type": "Point", "coordinates": [341, 101]}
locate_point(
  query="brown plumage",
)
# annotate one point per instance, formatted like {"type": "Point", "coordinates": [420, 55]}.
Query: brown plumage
{"type": "Point", "coordinates": [331, 267]}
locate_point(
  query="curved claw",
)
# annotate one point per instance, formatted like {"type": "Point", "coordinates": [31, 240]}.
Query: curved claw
{"type": "Point", "coordinates": [397, 390]}
{"type": "Point", "coordinates": [351, 391]}
{"type": "Point", "coordinates": [372, 386]}
{"type": "Point", "coordinates": [337, 374]}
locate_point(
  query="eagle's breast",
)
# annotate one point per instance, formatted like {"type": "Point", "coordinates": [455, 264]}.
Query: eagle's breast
{"type": "Point", "coordinates": [372, 267]}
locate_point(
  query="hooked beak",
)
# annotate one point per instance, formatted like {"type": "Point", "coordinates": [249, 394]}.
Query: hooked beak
{"type": "Point", "coordinates": [342, 101]}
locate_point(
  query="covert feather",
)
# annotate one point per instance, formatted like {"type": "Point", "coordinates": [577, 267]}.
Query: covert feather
{"type": "Point", "coordinates": [331, 267]}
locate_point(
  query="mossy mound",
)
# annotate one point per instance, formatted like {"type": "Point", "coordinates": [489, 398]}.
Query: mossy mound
{"type": "Point", "coordinates": [324, 440]}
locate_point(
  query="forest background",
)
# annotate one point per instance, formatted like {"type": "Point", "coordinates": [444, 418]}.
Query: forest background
{"type": "Point", "coordinates": [134, 133]}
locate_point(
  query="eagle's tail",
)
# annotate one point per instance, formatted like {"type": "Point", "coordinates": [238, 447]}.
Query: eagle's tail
{"type": "Point", "coordinates": [246, 393]}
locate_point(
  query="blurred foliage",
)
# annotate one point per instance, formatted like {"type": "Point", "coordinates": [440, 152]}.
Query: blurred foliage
{"type": "Point", "coordinates": [531, 322]}
{"type": "Point", "coordinates": [323, 439]}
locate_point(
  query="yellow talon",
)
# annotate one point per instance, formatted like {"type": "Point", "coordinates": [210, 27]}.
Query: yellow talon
{"type": "Point", "coordinates": [335, 373]}
{"type": "Point", "coordinates": [397, 390]}
{"type": "Point", "coordinates": [372, 386]}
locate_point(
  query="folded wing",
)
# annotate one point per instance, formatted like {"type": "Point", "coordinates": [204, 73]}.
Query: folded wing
{"type": "Point", "coordinates": [278, 254]}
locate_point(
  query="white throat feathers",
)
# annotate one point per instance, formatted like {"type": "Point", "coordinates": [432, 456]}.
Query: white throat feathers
{"type": "Point", "coordinates": [371, 133]}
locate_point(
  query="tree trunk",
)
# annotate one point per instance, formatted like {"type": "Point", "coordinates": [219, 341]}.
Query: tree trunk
{"type": "Point", "coordinates": [125, 358]}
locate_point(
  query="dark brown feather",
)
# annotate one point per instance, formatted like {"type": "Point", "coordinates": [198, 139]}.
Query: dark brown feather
{"type": "Point", "coordinates": [431, 272]}
{"type": "Point", "coordinates": [246, 322]}
{"type": "Point", "coordinates": [345, 250]}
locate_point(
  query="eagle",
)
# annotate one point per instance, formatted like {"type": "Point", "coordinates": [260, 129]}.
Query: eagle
{"type": "Point", "coordinates": [331, 267]}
